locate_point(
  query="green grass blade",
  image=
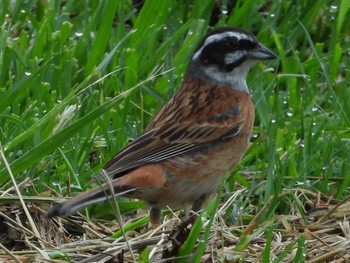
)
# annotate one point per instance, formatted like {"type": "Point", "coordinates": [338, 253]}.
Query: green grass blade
{"type": "Point", "coordinates": [56, 140]}
{"type": "Point", "coordinates": [103, 33]}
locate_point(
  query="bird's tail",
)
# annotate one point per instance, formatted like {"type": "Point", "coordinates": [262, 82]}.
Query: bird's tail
{"type": "Point", "coordinates": [92, 196]}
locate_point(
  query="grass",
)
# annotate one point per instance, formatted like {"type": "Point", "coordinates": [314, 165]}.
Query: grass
{"type": "Point", "coordinates": [79, 79]}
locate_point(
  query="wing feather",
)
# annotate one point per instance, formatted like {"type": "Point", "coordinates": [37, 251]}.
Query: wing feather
{"type": "Point", "coordinates": [153, 146]}
{"type": "Point", "coordinates": [180, 128]}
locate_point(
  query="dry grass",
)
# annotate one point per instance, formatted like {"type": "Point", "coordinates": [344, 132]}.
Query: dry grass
{"type": "Point", "coordinates": [31, 237]}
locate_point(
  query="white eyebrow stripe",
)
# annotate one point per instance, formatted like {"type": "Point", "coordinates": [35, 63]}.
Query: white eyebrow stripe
{"type": "Point", "coordinates": [219, 36]}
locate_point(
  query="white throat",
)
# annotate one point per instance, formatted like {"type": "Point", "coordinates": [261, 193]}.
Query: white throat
{"type": "Point", "coordinates": [236, 78]}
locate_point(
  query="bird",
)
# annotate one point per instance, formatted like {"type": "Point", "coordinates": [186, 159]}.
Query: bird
{"type": "Point", "coordinates": [196, 138]}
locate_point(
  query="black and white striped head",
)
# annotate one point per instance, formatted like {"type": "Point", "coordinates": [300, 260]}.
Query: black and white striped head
{"type": "Point", "coordinates": [226, 55]}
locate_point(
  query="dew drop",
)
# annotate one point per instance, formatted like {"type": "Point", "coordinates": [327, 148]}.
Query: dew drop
{"type": "Point", "coordinates": [306, 77]}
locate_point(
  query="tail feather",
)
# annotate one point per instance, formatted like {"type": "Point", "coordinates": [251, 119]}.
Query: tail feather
{"type": "Point", "coordinates": [92, 196]}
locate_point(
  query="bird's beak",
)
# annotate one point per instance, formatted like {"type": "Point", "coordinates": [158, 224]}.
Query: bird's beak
{"type": "Point", "coordinates": [262, 53]}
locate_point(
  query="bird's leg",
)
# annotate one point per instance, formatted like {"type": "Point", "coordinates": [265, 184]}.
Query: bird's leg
{"type": "Point", "coordinates": [179, 235]}
{"type": "Point", "coordinates": [196, 208]}
{"type": "Point", "coordinates": [154, 215]}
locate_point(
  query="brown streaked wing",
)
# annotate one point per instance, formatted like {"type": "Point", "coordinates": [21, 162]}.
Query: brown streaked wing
{"type": "Point", "coordinates": [171, 140]}
{"type": "Point", "coordinates": [197, 116]}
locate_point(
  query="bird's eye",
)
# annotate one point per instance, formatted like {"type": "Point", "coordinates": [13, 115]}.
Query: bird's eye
{"type": "Point", "coordinates": [232, 44]}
